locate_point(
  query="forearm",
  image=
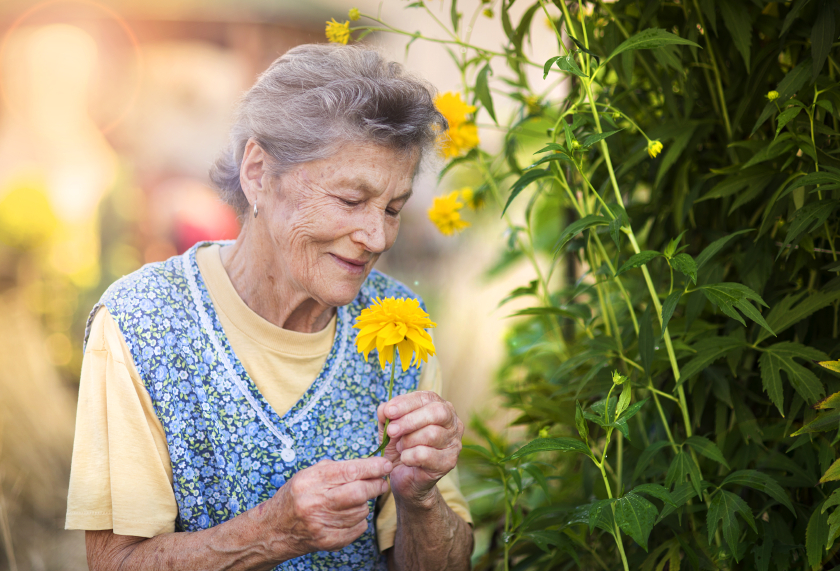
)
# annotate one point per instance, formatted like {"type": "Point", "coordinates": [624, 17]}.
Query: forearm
{"type": "Point", "coordinates": [430, 536]}
{"type": "Point", "coordinates": [238, 544]}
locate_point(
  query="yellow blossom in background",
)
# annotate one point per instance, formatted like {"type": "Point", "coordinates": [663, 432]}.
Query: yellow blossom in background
{"type": "Point", "coordinates": [445, 214]}
{"type": "Point", "coordinates": [338, 33]}
{"type": "Point", "coordinates": [400, 323]}
{"type": "Point", "coordinates": [654, 148]}
{"type": "Point", "coordinates": [533, 104]}
{"type": "Point", "coordinates": [354, 14]}
{"type": "Point", "coordinates": [458, 140]}
{"type": "Point", "coordinates": [462, 134]}
{"type": "Point", "coordinates": [473, 200]}
{"type": "Point", "coordinates": [773, 95]}
{"type": "Point", "coordinates": [453, 108]}
{"type": "Point", "coordinates": [488, 13]}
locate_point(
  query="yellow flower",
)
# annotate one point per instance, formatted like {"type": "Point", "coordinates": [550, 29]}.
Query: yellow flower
{"type": "Point", "coordinates": [354, 14]}
{"type": "Point", "coordinates": [488, 13]}
{"type": "Point", "coordinates": [453, 108]}
{"type": "Point", "coordinates": [444, 213]}
{"type": "Point", "coordinates": [533, 104]}
{"type": "Point", "coordinates": [458, 140]}
{"type": "Point", "coordinates": [654, 148]}
{"type": "Point", "coordinates": [471, 199]}
{"type": "Point", "coordinates": [399, 323]}
{"type": "Point", "coordinates": [338, 33]}
{"type": "Point", "coordinates": [772, 95]}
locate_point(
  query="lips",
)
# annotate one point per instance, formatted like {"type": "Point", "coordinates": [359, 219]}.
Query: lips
{"type": "Point", "coordinates": [351, 265]}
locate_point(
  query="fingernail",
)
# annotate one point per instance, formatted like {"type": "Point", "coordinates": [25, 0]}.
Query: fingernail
{"type": "Point", "coordinates": [388, 466]}
{"type": "Point", "coordinates": [393, 429]}
{"type": "Point", "coordinates": [392, 410]}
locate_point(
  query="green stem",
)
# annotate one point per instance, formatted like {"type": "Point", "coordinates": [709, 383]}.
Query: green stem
{"type": "Point", "coordinates": [385, 438]}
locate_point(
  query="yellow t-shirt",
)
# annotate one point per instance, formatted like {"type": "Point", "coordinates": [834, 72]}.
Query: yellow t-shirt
{"type": "Point", "coordinates": [121, 476]}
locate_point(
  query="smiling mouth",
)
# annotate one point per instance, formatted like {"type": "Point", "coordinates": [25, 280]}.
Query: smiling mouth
{"type": "Point", "coordinates": [352, 266]}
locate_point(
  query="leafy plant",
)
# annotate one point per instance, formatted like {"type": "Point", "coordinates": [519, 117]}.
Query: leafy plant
{"type": "Point", "coordinates": [675, 359]}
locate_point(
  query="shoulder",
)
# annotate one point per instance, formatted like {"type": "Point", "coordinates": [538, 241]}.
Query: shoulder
{"type": "Point", "coordinates": [154, 281]}
{"type": "Point", "coordinates": [380, 285]}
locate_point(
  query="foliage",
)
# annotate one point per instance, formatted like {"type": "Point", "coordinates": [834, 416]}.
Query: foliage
{"type": "Point", "coordinates": [680, 342]}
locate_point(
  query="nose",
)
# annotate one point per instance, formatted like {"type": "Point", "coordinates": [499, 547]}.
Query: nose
{"type": "Point", "coordinates": [372, 232]}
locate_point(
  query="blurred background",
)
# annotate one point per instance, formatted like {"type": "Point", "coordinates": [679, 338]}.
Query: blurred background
{"type": "Point", "coordinates": [110, 116]}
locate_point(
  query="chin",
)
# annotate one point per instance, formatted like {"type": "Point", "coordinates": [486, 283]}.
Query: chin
{"type": "Point", "coordinates": [341, 292]}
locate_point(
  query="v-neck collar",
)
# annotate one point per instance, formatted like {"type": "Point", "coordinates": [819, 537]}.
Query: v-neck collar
{"type": "Point", "coordinates": [278, 425]}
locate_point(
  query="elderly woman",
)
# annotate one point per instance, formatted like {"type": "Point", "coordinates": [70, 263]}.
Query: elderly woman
{"type": "Point", "coordinates": [225, 419]}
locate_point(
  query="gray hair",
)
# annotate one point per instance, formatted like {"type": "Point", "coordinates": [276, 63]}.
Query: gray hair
{"type": "Point", "coordinates": [317, 97]}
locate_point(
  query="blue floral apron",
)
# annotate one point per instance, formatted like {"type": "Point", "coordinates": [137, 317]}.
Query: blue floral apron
{"type": "Point", "coordinates": [229, 449]}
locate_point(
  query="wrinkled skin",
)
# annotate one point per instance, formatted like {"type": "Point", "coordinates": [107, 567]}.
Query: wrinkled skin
{"type": "Point", "coordinates": [320, 229]}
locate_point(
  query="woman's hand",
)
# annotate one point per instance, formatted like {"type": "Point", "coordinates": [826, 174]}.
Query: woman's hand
{"type": "Point", "coordinates": [324, 507]}
{"type": "Point", "coordinates": [425, 442]}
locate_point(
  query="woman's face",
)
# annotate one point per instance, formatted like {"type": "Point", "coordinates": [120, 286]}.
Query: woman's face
{"type": "Point", "coordinates": [328, 221]}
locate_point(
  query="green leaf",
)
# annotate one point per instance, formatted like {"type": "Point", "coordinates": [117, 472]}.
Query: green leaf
{"type": "Point", "coordinates": [707, 448]}
{"type": "Point", "coordinates": [552, 157]}
{"type": "Point", "coordinates": [681, 466]}
{"type": "Point", "coordinates": [781, 357]}
{"type": "Point", "coordinates": [794, 12]}
{"type": "Point", "coordinates": [784, 315]}
{"type": "Point", "coordinates": [582, 48]}
{"type": "Point", "coordinates": [786, 117]}
{"type": "Point", "coordinates": [592, 139]}
{"type": "Point", "coordinates": [727, 295]}
{"type": "Point", "coordinates": [600, 517]}
{"type": "Point", "coordinates": [708, 351]}
{"type": "Point", "coordinates": [737, 19]}
{"type": "Point", "coordinates": [646, 456]}
{"type": "Point", "coordinates": [454, 15]}
{"type": "Point", "coordinates": [716, 246]}
{"type": "Point", "coordinates": [833, 472]}
{"type": "Point", "coordinates": [657, 491]}
{"type": "Point", "coordinates": [623, 400]}
{"type": "Point", "coordinates": [480, 450]}
{"type": "Point", "coordinates": [482, 89]}
{"type": "Point", "coordinates": [547, 65]}
{"type": "Point", "coordinates": [535, 472]}
{"type": "Point", "coordinates": [822, 36]}
{"type": "Point", "coordinates": [809, 217]}
{"type": "Point", "coordinates": [675, 149]}
{"type": "Point", "coordinates": [792, 82]}
{"type": "Point", "coordinates": [723, 508]}
{"type": "Point", "coordinates": [525, 180]}
{"type": "Point", "coordinates": [580, 423]}
{"type": "Point", "coordinates": [831, 401]}
{"type": "Point", "coordinates": [632, 410]}
{"type": "Point", "coordinates": [708, 8]}
{"type": "Point", "coordinates": [552, 147]}
{"type": "Point", "coordinates": [822, 423]}
{"type": "Point", "coordinates": [637, 260]}
{"type": "Point", "coordinates": [549, 310]}
{"type": "Point", "coordinates": [579, 226]}
{"type": "Point", "coordinates": [568, 64]}
{"type": "Point", "coordinates": [646, 340]}
{"type": "Point", "coordinates": [686, 265]}
{"type": "Point", "coordinates": [816, 537]}
{"type": "Point", "coordinates": [649, 39]}
{"type": "Point", "coordinates": [562, 444]}
{"type": "Point", "coordinates": [668, 308]}
{"type": "Point", "coordinates": [636, 516]}
{"type": "Point", "coordinates": [761, 482]}
{"type": "Point", "coordinates": [567, 132]}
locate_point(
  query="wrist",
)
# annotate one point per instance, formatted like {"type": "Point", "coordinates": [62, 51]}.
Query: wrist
{"type": "Point", "coordinates": [424, 501]}
{"type": "Point", "coordinates": [274, 530]}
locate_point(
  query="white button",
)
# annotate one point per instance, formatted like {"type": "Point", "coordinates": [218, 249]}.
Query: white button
{"type": "Point", "coordinates": [288, 455]}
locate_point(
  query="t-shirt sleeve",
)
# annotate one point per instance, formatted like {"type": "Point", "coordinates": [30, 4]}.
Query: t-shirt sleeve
{"type": "Point", "coordinates": [448, 486]}
{"type": "Point", "coordinates": [120, 476]}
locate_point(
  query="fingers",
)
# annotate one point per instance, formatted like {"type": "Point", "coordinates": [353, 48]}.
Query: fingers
{"type": "Point", "coordinates": [432, 460]}
{"type": "Point", "coordinates": [432, 435]}
{"type": "Point", "coordinates": [338, 473]}
{"type": "Point", "coordinates": [403, 404]}
{"type": "Point", "coordinates": [356, 493]}
{"type": "Point", "coordinates": [440, 413]}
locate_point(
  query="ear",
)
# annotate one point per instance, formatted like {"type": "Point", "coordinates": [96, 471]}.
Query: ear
{"type": "Point", "coordinates": [253, 171]}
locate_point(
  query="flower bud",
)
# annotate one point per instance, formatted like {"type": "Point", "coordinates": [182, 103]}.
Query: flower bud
{"type": "Point", "coordinates": [354, 14]}
{"type": "Point", "coordinates": [618, 378]}
{"type": "Point", "coordinates": [654, 148]}
{"type": "Point", "coordinates": [772, 95]}
{"type": "Point", "coordinates": [487, 12]}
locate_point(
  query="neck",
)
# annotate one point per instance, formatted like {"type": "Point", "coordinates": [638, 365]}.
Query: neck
{"type": "Point", "coordinates": [266, 288]}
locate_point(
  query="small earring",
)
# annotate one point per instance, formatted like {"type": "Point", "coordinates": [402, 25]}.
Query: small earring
{"type": "Point", "coordinates": [255, 209]}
